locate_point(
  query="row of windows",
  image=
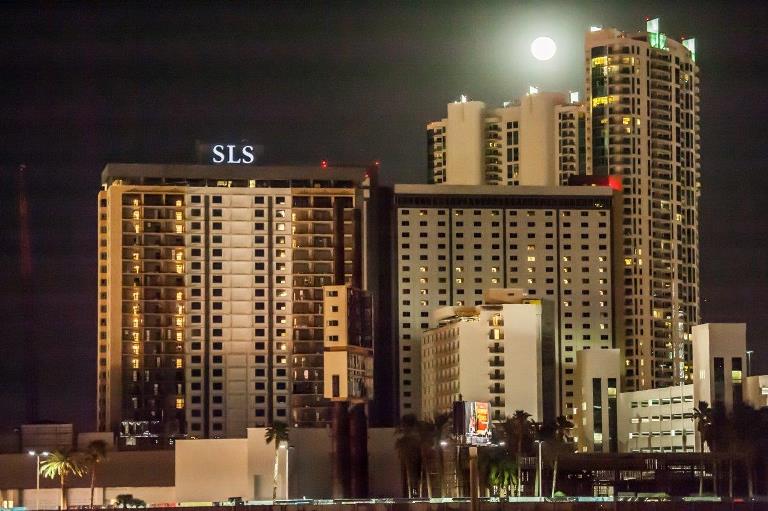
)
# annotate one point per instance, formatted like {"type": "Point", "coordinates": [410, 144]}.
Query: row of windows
{"type": "Point", "coordinates": [509, 212]}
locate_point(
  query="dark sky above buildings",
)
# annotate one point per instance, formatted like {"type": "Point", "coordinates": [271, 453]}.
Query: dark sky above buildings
{"type": "Point", "coordinates": [350, 82]}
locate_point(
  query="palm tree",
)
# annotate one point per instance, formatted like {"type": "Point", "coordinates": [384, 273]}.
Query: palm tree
{"type": "Point", "coordinates": [407, 445]}
{"type": "Point", "coordinates": [703, 417]}
{"type": "Point", "coordinates": [426, 432]}
{"type": "Point", "coordinates": [62, 464]}
{"type": "Point", "coordinates": [95, 453]}
{"type": "Point", "coordinates": [441, 426]}
{"type": "Point", "coordinates": [277, 433]}
{"type": "Point", "coordinates": [518, 432]}
{"type": "Point", "coordinates": [562, 444]}
{"type": "Point", "coordinates": [497, 469]}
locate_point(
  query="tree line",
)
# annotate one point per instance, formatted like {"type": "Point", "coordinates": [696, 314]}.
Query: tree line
{"type": "Point", "coordinates": [427, 450]}
{"type": "Point", "coordinates": [740, 437]}
{"type": "Point", "coordinates": [65, 463]}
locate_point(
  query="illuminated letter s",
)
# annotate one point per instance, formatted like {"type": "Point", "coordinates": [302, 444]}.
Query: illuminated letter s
{"type": "Point", "coordinates": [218, 154]}
{"type": "Point", "coordinates": [247, 154]}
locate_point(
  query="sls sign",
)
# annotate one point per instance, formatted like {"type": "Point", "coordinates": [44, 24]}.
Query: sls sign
{"type": "Point", "coordinates": [232, 154]}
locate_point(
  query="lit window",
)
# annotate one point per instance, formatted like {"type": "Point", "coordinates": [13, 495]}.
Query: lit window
{"type": "Point", "coordinates": [179, 228]}
{"type": "Point", "coordinates": [135, 363]}
{"type": "Point", "coordinates": [178, 363]}
{"type": "Point", "coordinates": [179, 403]}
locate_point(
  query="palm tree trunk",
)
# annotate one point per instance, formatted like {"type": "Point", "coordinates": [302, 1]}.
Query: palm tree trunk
{"type": "Point", "coordinates": [750, 479]}
{"type": "Point", "coordinates": [701, 478]}
{"type": "Point", "coordinates": [441, 468]}
{"type": "Point", "coordinates": [429, 478]}
{"type": "Point", "coordinates": [93, 481]}
{"type": "Point", "coordinates": [519, 475]}
{"type": "Point", "coordinates": [730, 476]}
{"type": "Point", "coordinates": [274, 474]}
{"type": "Point", "coordinates": [554, 476]}
{"type": "Point", "coordinates": [408, 480]}
{"type": "Point", "coordinates": [63, 503]}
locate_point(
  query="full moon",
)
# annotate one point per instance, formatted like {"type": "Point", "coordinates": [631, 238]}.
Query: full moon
{"type": "Point", "coordinates": [543, 48]}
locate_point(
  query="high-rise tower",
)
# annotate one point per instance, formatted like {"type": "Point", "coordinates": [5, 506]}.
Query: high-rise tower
{"type": "Point", "coordinates": [642, 94]}
{"type": "Point", "coordinates": [210, 293]}
{"type": "Point", "coordinates": [529, 142]}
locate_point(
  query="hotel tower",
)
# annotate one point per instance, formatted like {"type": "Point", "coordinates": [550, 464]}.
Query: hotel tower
{"type": "Point", "coordinates": [210, 293]}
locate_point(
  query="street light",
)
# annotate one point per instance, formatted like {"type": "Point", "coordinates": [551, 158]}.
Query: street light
{"type": "Point", "coordinates": [37, 474]}
{"type": "Point", "coordinates": [538, 475]}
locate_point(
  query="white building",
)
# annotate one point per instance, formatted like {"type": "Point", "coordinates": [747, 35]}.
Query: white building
{"type": "Point", "coordinates": [642, 94]}
{"type": "Point", "coordinates": [756, 391]}
{"type": "Point", "coordinates": [530, 142]}
{"type": "Point", "coordinates": [719, 353]}
{"type": "Point", "coordinates": [454, 242]}
{"type": "Point", "coordinates": [501, 352]}
{"type": "Point", "coordinates": [657, 420]}
{"type": "Point", "coordinates": [597, 386]}
{"type": "Point", "coordinates": [661, 420]}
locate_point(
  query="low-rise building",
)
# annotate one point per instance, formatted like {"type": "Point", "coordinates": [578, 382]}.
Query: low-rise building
{"type": "Point", "coordinates": [501, 352]}
{"type": "Point", "coordinates": [719, 353]}
{"type": "Point", "coordinates": [657, 420]}
{"type": "Point", "coordinates": [756, 391]}
{"type": "Point", "coordinates": [595, 417]}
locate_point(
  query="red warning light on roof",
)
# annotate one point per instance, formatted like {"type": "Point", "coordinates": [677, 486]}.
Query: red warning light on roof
{"type": "Point", "coordinates": [614, 182]}
{"type": "Point", "coordinates": [324, 164]}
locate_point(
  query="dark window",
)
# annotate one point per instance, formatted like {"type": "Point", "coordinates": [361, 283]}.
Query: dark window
{"type": "Point", "coordinates": [719, 380]}
{"type": "Point", "coordinates": [597, 413]}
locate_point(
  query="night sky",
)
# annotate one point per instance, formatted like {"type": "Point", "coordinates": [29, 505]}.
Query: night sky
{"type": "Point", "coordinates": [350, 82]}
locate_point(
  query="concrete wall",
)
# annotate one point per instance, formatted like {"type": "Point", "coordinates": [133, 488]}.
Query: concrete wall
{"type": "Point", "coordinates": [537, 139]}
{"type": "Point", "coordinates": [465, 163]}
{"type": "Point", "coordinates": [49, 498]}
{"type": "Point", "coordinates": [384, 472]}
{"type": "Point", "coordinates": [213, 470]}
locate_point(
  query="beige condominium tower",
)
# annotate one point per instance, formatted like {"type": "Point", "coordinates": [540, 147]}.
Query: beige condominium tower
{"type": "Point", "coordinates": [639, 125]}
{"type": "Point", "coordinates": [210, 293]}
{"type": "Point", "coordinates": [642, 93]}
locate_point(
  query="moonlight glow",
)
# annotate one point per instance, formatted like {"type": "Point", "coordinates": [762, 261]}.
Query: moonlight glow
{"type": "Point", "coordinates": [543, 48]}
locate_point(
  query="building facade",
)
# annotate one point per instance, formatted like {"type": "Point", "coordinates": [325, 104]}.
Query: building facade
{"type": "Point", "coordinates": [642, 118]}
{"type": "Point", "coordinates": [530, 142]}
{"type": "Point", "coordinates": [658, 420]}
{"type": "Point", "coordinates": [597, 389]}
{"type": "Point", "coordinates": [719, 353]}
{"type": "Point", "coordinates": [454, 242]}
{"type": "Point", "coordinates": [348, 344]}
{"type": "Point", "coordinates": [500, 352]}
{"type": "Point", "coordinates": [210, 293]}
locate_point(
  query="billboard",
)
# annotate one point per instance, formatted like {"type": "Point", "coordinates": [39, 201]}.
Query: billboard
{"type": "Point", "coordinates": [472, 422]}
